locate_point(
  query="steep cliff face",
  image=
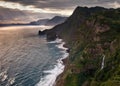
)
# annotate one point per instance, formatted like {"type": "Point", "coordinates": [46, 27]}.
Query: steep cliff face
{"type": "Point", "coordinates": [75, 21]}
{"type": "Point", "coordinates": [93, 37]}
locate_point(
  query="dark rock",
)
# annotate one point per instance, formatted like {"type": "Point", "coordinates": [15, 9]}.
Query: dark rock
{"type": "Point", "coordinates": [51, 36]}
{"type": "Point", "coordinates": [68, 50]}
{"type": "Point", "coordinates": [41, 32]}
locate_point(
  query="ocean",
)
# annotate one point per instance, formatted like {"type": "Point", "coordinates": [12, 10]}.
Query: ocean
{"type": "Point", "coordinates": [27, 59]}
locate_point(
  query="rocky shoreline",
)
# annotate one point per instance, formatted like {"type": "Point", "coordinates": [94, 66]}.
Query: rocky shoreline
{"type": "Point", "coordinates": [60, 78]}
{"type": "Point", "coordinates": [53, 37]}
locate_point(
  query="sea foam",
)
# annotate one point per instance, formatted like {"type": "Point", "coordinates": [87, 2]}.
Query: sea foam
{"type": "Point", "coordinates": [3, 76]}
{"type": "Point", "coordinates": [49, 80]}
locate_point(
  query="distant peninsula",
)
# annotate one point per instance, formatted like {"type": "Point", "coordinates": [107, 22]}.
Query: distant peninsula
{"type": "Point", "coordinates": [48, 22]}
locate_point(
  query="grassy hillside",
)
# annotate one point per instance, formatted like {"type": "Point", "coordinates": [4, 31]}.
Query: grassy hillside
{"type": "Point", "coordinates": [93, 37]}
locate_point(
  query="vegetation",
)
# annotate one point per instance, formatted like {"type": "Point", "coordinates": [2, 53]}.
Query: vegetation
{"type": "Point", "coordinates": [91, 33]}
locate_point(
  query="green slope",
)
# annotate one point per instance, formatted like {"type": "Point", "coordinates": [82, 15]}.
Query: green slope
{"type": "Point", "coordinates": [91, 34]}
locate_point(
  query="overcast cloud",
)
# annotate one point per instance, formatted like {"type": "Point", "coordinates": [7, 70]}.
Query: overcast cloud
{"type": "Point", "coordinates": [49, 8]}
{"type": "Point", "coordinates": [63, 4]}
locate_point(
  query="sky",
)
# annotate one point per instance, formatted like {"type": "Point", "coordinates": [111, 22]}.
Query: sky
{"type": "Point", "coordinates": [29, 10]}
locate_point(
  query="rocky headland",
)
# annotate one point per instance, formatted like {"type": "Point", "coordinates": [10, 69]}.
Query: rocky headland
{"type": "Point", "coordinates": [93, 38]}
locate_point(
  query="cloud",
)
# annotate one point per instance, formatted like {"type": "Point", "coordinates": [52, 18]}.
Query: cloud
{"type": "Point", "coordinates": [15, 16]}
{"type": "Point", "coordinates": [15, 5]}
{"type": "Point", "coordinates": [115, 4]}
{"type": "Point", "coordinates": [63, 7]}
{"type": "Point", "coordinates": [28, 10]}
{"type": "Point", "coordinates": [63, 4]}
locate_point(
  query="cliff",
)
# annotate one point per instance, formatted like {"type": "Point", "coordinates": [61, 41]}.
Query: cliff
{"type": "Point", "coordinates": [93, 38]}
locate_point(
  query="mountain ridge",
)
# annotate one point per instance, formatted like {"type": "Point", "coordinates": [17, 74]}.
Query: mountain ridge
{"type": "Point", "coordinates": [91, 36]}
{"type": "Point", "coordinates": [53, 21]}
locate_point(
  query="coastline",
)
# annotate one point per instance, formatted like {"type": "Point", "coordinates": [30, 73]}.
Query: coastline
{"type": "Point", "coordinates": [60, 79]}
{"type": "Point", "coordinates": [55, 73]}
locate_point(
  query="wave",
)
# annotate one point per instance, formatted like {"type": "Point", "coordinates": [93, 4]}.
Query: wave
{"type": "Point", "coordinates": [49, 80]}
{"type": "Point", "coordinates": [10, 81]}
{"type": "Point", "coordinates": [3, 76]}
{"type": "Point", "coordinates": [56, 41]}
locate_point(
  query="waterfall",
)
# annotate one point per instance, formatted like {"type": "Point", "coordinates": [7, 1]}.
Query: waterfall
{"type": "Point", "coordinates": [103, 62]}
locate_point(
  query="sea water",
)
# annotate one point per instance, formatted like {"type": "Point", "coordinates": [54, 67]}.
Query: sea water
{"type": "Point", "coordinates": [27, 59]}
